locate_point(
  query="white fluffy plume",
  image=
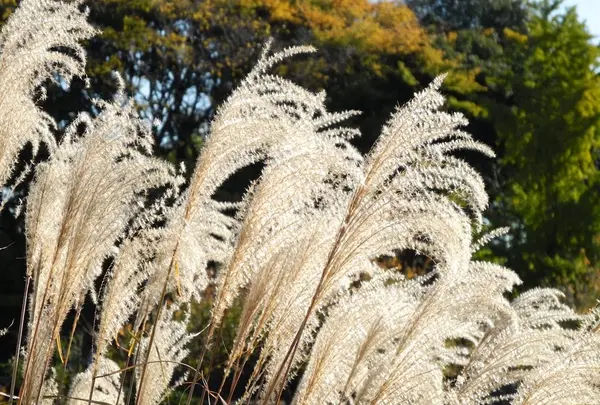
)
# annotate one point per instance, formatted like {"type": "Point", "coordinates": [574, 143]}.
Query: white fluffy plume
{"type": "Point", "coordinates": [30, 43]}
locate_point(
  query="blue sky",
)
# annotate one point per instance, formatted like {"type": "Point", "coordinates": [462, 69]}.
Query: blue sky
{"type": "Point", "coordinates": [588, 10]}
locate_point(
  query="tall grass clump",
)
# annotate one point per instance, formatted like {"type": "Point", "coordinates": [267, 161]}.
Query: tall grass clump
{"type": "Point", "coordinates": [298, 251]}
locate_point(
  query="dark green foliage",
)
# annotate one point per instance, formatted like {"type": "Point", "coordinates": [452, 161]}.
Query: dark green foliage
{"type": "Point", "coordinates": [549, 133]}
{"type": "Point", "coordinates": [540, 108]}
{"type": "Point", "coordinates": [448, 15]}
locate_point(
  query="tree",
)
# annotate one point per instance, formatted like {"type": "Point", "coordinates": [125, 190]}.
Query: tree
{"type": "Point", "coordinates": [475, 34]}
{"type": "Point", "coordinates": [550, 138]}
{"type": "Point", "coordinates": [453, 15]}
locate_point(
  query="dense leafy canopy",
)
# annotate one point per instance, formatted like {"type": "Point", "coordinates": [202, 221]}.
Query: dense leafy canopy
{"type": "Point", "coordinates": [550, 138]}
{"type": "Point", "coordinates": [470, 14]}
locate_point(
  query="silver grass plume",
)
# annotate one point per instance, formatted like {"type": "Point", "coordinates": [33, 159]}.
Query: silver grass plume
{"type": "Point", "coordinates": [246, 129]}
{"type": "Point", "coordinates": [120, 298]}
{"type": "Point", "coordinates": [570, 378]}
{"type": "Point", "coordinates": [30, 45]}
{"type": "Point", "coordinates": [106, 385]}
{"type": "Point", "coordinates": [307, 149]}
{"type": "Point", "coordinates": [513, 344]}
{"type": "Point", "coordinates": [197, 232]}
{"type": "Point", "coordinates": [291, 128]}
{"type": "Point", "coordinates": [165, 354]}
{"type": "Point", "coordinates": [355, 329]}
{"type": "Point", "coordinates": [49, 389]}
{"type": "Point", "coordinates": [382, 345]}
{"type": "Point", "coordinates": [133, 264]}
{"type": "Point", "coordinates": [81, 203]}
{"type": "Point", "coordinates": [283, 244]}
{"type": "Point", "coordinates": [399, 204]}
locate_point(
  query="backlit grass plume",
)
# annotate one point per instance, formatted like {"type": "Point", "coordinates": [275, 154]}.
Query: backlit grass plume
{"type": "Point", "coordinates": [83, 201]}
{"type": "Point", "coordinates": [40, 42]}
{"type": "Point", "coordinates": [320, 322]}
